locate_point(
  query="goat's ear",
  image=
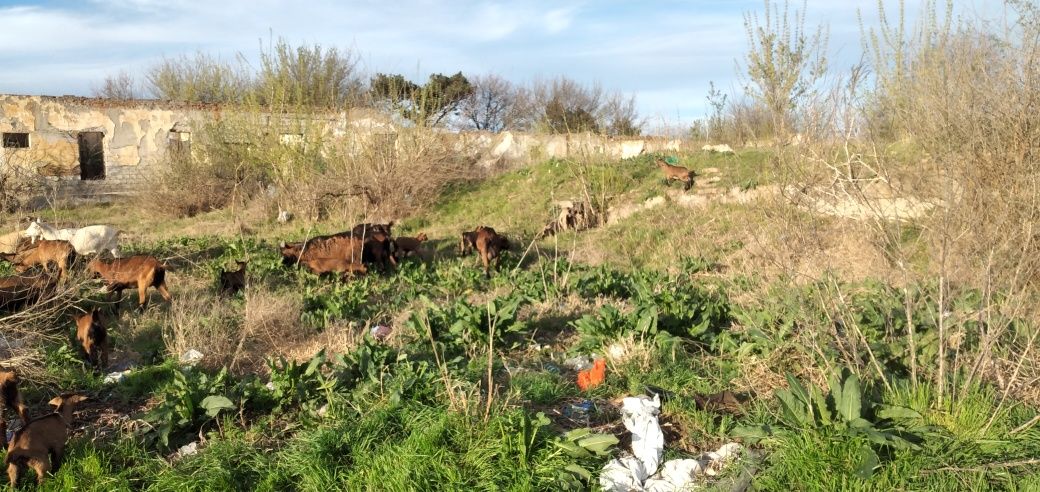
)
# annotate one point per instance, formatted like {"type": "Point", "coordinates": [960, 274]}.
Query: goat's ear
{"type": "Point", "coordinates": [76, 399]}
{"type": "Point", "coordinates": [56, 401]}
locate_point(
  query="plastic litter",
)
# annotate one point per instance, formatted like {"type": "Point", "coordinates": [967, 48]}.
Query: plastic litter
{"type": "Point", "coordinates": [639, 472]}
{"type": "Point", "coordinates": [591, 378]}
{"type": "Point", "coordinates": [115, 377]}
{"type": "Point", "coordinates": [187, 450]}
{"type": "Point", "coordinates": [380, 332]}
{"type": "Point", "coordinates": [578, 411]}
{"type": "Point", "coordinates": [578, 363]}
{"type": "Point", "coordinates": [191, 357]}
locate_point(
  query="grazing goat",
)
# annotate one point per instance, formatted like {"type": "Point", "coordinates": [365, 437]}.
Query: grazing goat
{"type": "Point", "coordinates": [19, 290]}
{"type": "Point", "coordinates": [44, 253]}
{"type": "Point", "coordinates": [141, 272]}
{"type": "Point", "coordinates": [468, 243]}
{"type": "Point", "coordinates": [366, 229]}
{"type": "Point", "coordinates": [87, 240]}
{"type": "Point", "coordinates": [41, 443]}
{"type": "Point", "coordinates": [233, 281]}
{"type": "Point", "coordinates": [379, 249]}
{"type": "Point", "coordinates": [677, 173]}
{"type": "Point", "coordinates": [93, 338]}
{"type": "Point", "coordinates": [490, 246]}
{"type": "Point", "coordinates": [10, 398]}
{"type": "Point", "coordinates": [406, 245]}
{"type": "Point", "coordinates": [345, 247]}
{"type": "Point", "coordinates": [347, 268]}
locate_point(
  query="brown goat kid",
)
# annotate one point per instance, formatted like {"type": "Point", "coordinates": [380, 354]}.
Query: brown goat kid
{"type": "Point", "coordinates": [43, 254]}
{"type": "Point", "coordinates": [141, 272]}
{"type": "Point", "coordinates": [41, 443]}
{"type": "Point", "coordinates": [93, 338]}
{"type": "Point", "coordinates": [467, 242]}
{"type": "Point", "coordinates": [406, 245]}
{"type": "Point", "coordinates": [10, 398]}
{"type": "Point", "coordinates": [490, 246]}
{"type": "Point", "coordinates": [677, 173]}
{"type": "Point", "coordinates": [348, 268]}
{"type": "Point", "coordinates": [233, 281]}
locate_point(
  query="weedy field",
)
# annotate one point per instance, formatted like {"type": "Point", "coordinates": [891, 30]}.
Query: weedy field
{"type": "Point", "coordinates": [433, 377]}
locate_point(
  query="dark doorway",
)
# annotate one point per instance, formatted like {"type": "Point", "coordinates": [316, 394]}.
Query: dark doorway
{"type": "Point", "coordinates": [91, 155]}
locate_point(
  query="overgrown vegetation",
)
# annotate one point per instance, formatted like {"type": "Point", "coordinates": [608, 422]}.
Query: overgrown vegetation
{"type": "Point", "coordinates": [846, 343]}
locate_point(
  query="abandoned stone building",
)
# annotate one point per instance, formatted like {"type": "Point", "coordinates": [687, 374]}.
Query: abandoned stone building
{"type": "Point", "coordinates": [88, 147]}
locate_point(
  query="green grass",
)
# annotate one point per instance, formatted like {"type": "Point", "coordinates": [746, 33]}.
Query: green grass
{"type": "Point", "coordinates": [399, 417]}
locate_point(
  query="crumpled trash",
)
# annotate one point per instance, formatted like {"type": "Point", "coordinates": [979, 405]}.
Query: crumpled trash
{"type": "Point", "coordinates": [269, 385]}
{"type": "Point", "coordinates": [380, 332]}
{"type": "Point", "coordinates": [191, 357]}
{"type": "Point", "coordinates": [578, 411]}
{"type": "Point", "coordinates": [578, 363]}
{"type": "Point", "coordinates": [284, 216]}
{"type": "Point", "coordinates": [187, 450]}
{"type": "Point", "coordinates": [591, 378]}
{"type": "Point", "coordinates": [639, 472]}
{"type": "Point", "coordinates": [115, 377]}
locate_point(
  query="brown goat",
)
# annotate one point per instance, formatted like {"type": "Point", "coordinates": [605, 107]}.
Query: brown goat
{"type": "Point", "coordinates": [490, 246]}
{"type": "Point", "coordinates": [233, 281]}
{"type": "Point", "coordinates": [345, 247]}
{"type": "Point", "coordinates": [44, 253]}
{"type": "Point", "coordinates": [677, 173]}
{"type": "Point", "coordinates": [93, 338]}
{"type": "Point", "coordinates": [366, 229]}
{"type": "Point", "coordinates": [41, 443]}
{"type": "Point", "coordinates": [10, 398]}
{"type": "Point", "coordinates": [467, 243]}
{"type": "Point", "coordinates": [348, 268]}
{"type": "Point", "coordinates": [141, 272]}
{"type": "Point", "coordinates": [406, 245]}
{"type": "Point", "coordinates": [379, 249]}
{"type": "Point", "coordinates": [17, 291]}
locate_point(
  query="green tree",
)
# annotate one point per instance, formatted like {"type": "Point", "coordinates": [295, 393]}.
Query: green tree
{"type": "Point", "coordinates": [428, 104]}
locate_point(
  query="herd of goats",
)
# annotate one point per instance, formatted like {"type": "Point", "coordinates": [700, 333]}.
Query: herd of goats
{"type": "Point", "coordinates": [40, 442]}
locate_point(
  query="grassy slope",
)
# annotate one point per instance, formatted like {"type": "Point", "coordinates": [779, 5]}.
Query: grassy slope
{"type": "Point", "coordinates": [375, 439]}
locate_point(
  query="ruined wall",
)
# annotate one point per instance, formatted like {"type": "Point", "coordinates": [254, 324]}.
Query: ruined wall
{"type": "Point", "coordinates": [135, 135]}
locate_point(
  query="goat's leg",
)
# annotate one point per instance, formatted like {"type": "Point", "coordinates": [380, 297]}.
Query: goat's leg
{"type": "Point", "coordinates": [484, 258]}
{"type": "Point", "coordinates": [3, 432]}
{"type": "Point", "coordinates": [41, 467]}
{"type": "Point", "coordinates": [12, 474]}
{"type": "Point", "coordinates": [166, 293]}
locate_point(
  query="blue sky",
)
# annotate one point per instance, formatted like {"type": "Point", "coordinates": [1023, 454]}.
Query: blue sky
{"type": "Point", "coordinates": [664, 51]}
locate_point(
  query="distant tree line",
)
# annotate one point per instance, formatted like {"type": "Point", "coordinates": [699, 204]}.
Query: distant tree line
{"type": "Point", "coordinates": [317, 77]}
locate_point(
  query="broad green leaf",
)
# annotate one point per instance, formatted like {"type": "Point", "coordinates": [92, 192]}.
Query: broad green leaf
{"type": "Point", "coordinates": [579, 471]}
{"type": "Point", "coordinates": [576, 434]}
{"type": "Point", "coordinates": [898, 413]}
{"type": "Point", "coordinates": [868, 461]}
{"type": "Point", "coordinates": [751, 432]}
{"type": "Point", "coordinates": [599, 444]}
{"type": "Point", "coordinates": [215, 403]}
{"type": "Point", "coordinates": [849, 406]}
{"type": "Point", "coordinates": [573, 450]}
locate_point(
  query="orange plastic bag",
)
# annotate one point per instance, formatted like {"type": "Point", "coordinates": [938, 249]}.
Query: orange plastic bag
{"type": "Point", "coordinates": [590, 378]}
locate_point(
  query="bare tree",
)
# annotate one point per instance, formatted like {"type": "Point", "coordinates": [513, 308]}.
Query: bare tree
{"type": "Point", "coordinates": [495, 105]}
{"type": "Point", "coordinates": [119, 86]}
{"type": "Point", "coordinates": [620, 117]}
{"type": "Point", "coordinates": [565, 105]}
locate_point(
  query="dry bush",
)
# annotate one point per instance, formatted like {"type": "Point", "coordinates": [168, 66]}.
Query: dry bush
{"type": "Point", "coordinates": [25, 331]}
{"type": "Point", "coordinates": [965, 96]}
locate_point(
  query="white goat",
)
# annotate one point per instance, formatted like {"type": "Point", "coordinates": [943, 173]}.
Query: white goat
{"type": "Point", "coordinates": [86, 240]}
